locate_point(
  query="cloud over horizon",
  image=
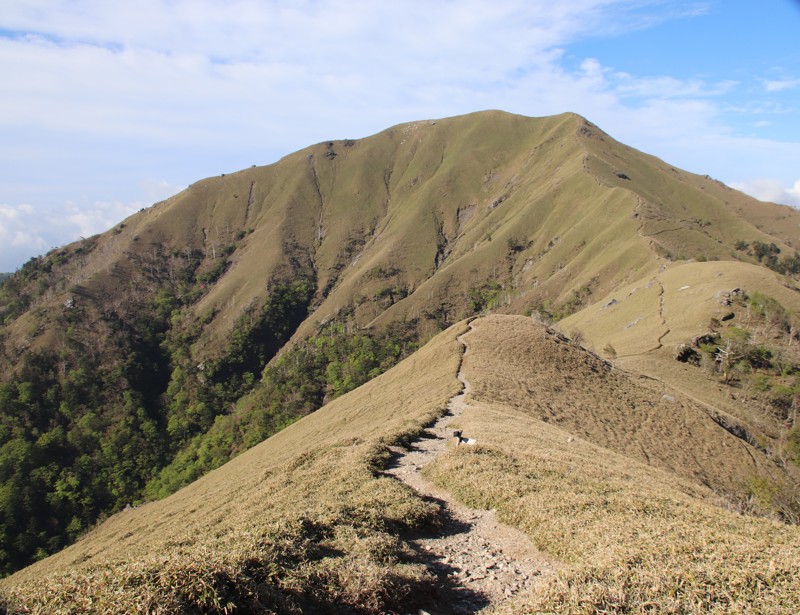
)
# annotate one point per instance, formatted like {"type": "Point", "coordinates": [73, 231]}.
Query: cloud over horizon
{"type": "Point", "coordinates": [771, 190]}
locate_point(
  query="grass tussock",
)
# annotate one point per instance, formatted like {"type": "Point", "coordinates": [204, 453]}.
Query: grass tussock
{"type": "Point", "coordinates": [626, 546]}
{"type": "Point", "coordinates": [336, 565]}
{"type": "Point", "coordinates": [632, 537]}
{"type": "Point", "coordinates": [302, 523]}
{"type": "Point", "coordinates": [306, 522]}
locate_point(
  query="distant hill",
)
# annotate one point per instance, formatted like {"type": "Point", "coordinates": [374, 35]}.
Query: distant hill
{"type": "Point", "coordinates": [137, 360]}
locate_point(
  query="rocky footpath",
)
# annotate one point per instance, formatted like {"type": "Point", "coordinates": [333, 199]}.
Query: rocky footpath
{"type": "Point", "coordinates": [481, 563]}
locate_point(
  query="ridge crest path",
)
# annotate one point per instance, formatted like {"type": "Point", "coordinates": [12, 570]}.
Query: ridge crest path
{"type": "Point", "coordinates": [480, 562]}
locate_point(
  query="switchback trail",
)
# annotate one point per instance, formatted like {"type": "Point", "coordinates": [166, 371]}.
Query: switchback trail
{"type": "Point", "coordinates": [481, 563]}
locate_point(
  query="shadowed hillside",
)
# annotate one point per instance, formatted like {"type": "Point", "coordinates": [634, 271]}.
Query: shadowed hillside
{"type": "Point", "coordinates": [137, 360]}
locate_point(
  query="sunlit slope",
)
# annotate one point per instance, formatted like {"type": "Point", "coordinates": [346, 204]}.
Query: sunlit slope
{"type": "Point", "coordinates": [414, 221]}
{"type": "Point", "coordinates": [501, 201]}
{"type": "Point", "coordinates": [673, 305]}
{"type": "Point", "coordinates": [410, 222]}
{"type": "Point", "coordinates": [614, 475]}
{"type": "Point", "coordinates": [526, 367]}
{"type": "Point", "coordinates": [632, 529]}
{"type": "Point", "coordinates": [683, 214]}
{"type": "Point", "coordinates": [641, 325]}
{"type": "Point", "coordinates": [311, 487]}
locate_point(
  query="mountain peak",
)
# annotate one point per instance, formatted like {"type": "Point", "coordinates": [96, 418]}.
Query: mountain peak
{"type": "Point", "coordinates": [141, 358]}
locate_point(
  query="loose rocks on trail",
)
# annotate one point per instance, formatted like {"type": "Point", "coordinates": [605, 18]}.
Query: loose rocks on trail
{"type": "Point", "coordinates": [480, 563]}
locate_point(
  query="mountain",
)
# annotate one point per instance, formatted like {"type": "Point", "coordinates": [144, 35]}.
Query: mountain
{"type": "Point", "coordinates": [138, 360]}
{"type": "Point", "coordinates": [410, 222]}
{"type": "Point", "coordinates": [606, 478]}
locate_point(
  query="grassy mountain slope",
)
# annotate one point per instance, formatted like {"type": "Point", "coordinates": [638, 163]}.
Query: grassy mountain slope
{"type": "Point", "coordinates": [301, 521]}
{"type": "Point", "coordinates": [570, 388]}
{"type": "Point", "coordinates": [631, 537]}
{"type": "Point", "coordinates": [673, 305]}
{"type": "Point", "coordinates": [134, 361]}
{"type": "Point", "coordinates": [420, 215]}
{"type": "Point", "coordinates": [307, 520]}
{"type": "Point", "coordinates": [702, 310]}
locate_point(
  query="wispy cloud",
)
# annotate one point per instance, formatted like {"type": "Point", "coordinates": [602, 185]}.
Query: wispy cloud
{"type": "Point", "coordinates": [99, 96]}
{"type": "Point", "coordinates": [31, 230]}
{"type": "Point", "coordinates": [771, 190]}
{"type": "Point", "coordinates": [781, 85]}
{"type": "Point", "coordinates": [19, 230]}
{"type": "Point", "coordinates": [14, 223]}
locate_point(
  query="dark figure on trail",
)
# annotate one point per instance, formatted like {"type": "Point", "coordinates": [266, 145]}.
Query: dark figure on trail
{"type": "Point", "coordinates": [460, 439]}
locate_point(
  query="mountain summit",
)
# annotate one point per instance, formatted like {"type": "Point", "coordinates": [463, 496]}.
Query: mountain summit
{"type": "Point", "coordinates": [137, 360]}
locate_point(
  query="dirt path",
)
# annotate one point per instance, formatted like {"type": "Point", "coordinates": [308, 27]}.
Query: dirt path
{"type": "Point", "coordinates": [481, 563]}
{"type": "Point", "coordinates": [663, 319]}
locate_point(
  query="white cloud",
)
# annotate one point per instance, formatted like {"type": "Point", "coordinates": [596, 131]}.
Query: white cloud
{"type": "Point", "coordinates": [188, 72]}
{"type": "Point", "coordinates": [771, 190]}
{"type": "Point", "coordinates": [19, 230]}
{"type": "Point", "coordinates": [87, 220]}
{"type": "Point", "coordinates": [668, 87]}
{"type": "Point", "coordinates": [780, 85]}
{"type": "Point", "coordinates": [36, 230]}
{"type": "Point", "coordinates": [159, 189]}
{"type": "Point", "coordinates": [105, 95]}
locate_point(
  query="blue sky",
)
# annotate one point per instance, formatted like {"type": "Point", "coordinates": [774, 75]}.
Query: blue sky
{"type": "Point", "coordinates": [106, 108]}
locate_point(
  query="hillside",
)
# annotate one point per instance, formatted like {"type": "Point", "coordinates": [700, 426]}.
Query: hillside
{"type": "Point", "coordinates": [307, 508]}
{"type": "Point", "coordinates": [382, 226]}
{"type": "Point", "coordinates": [135, 361]}
{"type": "Point", "coordinates": [310, 520]}
{"type": "Point", "coordinates": [724, 333]}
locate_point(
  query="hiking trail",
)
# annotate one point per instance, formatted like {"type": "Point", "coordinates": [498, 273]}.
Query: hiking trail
{"type": "Point", "coordinates": [480, 562]}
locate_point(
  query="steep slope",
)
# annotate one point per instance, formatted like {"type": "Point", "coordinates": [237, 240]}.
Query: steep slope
{"type": "Point", "coordinates": [630, 537]}
{"type": "Point", "coordinates": [308, 519]}
{"type": "Point", "coordinates": [302, 521]}
{"type": "Point", "coordinates": [545, 376]}
{"type": "Point", "coordinates": [134, 361]}
{"type": "Point", "coordinates": [420, 215]}
{"type": "Point", "coordinates": [724, 333]}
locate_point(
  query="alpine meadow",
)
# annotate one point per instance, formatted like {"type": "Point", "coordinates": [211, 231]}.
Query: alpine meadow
{"type": "Point", "coordinates": [483, 363]}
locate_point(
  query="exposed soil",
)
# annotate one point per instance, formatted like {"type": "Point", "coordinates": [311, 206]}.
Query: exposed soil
{"type": "Point", "coordinates": [481, 563]}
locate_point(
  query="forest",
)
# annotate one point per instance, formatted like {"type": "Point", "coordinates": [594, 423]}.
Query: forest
{"type": "Point", "coordinates": [118, 411]}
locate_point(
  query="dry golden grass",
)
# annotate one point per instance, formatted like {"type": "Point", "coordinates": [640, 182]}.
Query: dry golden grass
{"type": "Point", "coordinates": [595, 465]}
{"type": "Point", "coordinates": [439, 204]}
{"type": "Point", "coordinates": [302, 521]}
{"type": "Point", "coordinates": [522, 365]}
{"type": "Point", "coordinates": [654, 315]}
{"type": "Point", "coordinates": [629, 540]}
{"type": "Point", "coordinates": [637, 319]}
{"type": "Point", "coordinates": [634, 538]}
{"type": "Point", "coordinates": [538, 206]}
